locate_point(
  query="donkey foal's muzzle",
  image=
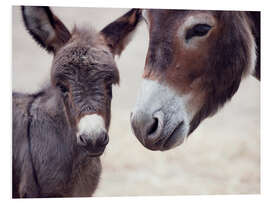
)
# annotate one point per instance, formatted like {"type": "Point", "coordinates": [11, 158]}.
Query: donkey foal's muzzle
{"type": "Point", "coordinates": [94, 144]}
{"type": "Point", "coordinates": [92, 134]}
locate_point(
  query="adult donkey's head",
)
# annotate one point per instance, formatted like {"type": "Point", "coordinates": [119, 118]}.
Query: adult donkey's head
{"type": "Point", "coordinates": [195, 63]}
{"type": "Point", "coordinates": [83, 69]}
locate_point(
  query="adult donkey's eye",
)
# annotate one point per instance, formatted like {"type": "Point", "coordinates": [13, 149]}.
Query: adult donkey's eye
{"type": "Point", "coordinates": [198, 30]}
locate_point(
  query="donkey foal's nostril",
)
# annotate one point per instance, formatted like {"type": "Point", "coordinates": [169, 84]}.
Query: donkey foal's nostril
{"type": "Point", "coordinates": [153, 127]}
{"type": "Point", "coordinates": [103, 140]}
{"type": "Point", "coordinates": [83, 140]}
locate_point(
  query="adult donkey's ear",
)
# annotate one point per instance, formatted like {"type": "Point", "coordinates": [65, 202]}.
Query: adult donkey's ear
{"type": "Point", "coordinates": [45, 27]}
{"type": "Point", "coordinates": [255, 17]}
{"type": "Point", "coordinates": [118, 33]}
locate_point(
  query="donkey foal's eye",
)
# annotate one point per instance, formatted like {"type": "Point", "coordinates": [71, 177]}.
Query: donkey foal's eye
{"type": "Point", "coordinates": [198, 30]}
{"type": "Point", "coordinates": [110, 91]}
{"type": "Point", "coordinates": [63, 88]}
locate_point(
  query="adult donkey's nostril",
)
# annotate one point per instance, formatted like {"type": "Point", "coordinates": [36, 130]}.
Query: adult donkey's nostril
{"type": "Point", "coordinates": [153, 127]}
{"type": "Point", "coordinates": [147, 127]}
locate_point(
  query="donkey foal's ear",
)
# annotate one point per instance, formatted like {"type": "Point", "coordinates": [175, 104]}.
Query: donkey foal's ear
{"type": "Point", "coordinates": [45, 27]}
{"type": "Point", "coordinates": [118, 33]}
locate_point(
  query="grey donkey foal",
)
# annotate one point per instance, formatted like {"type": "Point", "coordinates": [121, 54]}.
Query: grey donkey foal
{"type": "Point", "coordinates": [60, 132]}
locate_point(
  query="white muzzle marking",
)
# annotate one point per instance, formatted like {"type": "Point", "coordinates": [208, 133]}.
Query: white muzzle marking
{"type": "Point", "coordinates": [91, 125]}
{"type": "Point", "coordinates": [154, 96]}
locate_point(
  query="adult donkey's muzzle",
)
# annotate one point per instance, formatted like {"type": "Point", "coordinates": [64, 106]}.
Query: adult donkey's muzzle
{"type": "Point", "coordinates": [157, 133]}
{"type": "Point", "coordinates": [159, 119]}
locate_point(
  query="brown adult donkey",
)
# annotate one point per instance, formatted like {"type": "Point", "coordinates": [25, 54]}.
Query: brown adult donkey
{"type": "Point", "coordinates": [195, 63]}
{"type": "Point", "coordinates": [60, 132]}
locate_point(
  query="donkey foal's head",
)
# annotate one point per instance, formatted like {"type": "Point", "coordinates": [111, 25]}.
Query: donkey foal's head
{"type": "Point", "coordinates": [83, 69]}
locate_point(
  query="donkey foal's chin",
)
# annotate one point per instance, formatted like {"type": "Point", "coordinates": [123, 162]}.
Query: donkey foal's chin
{"type": "Point", "coordinates": [160, 119]}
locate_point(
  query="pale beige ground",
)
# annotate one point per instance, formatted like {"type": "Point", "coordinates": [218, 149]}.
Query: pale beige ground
{"type": "Point", "coordinates": [221, 157]}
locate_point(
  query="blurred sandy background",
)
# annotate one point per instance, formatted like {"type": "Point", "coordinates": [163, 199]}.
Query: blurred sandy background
{"type": "Point", "coordinates": [221, 157]}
